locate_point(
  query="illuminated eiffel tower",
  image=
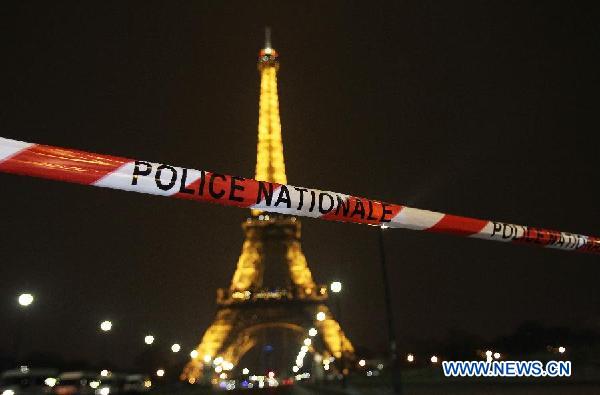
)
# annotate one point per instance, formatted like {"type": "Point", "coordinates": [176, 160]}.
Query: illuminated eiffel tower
{"type": "Point", "coordinates": [272, 288]}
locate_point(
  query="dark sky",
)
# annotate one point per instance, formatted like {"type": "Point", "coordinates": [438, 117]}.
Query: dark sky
{"type": "Point", "coordinates": [484, 109]}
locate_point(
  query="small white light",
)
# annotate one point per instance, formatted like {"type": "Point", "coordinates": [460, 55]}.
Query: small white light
{"type": "Point", "coordinates": [434, 359]}
{"type": "Point", "coordinates": [50, 381]}
{"type": "Point", "coordinates": [175, 347]}
{"type": "Point", "coordinates": [488, 353]}
{"type": "Point", "coordinates": [336, 287]}
{"type": "Point", "coordinates": [8, 392]}
{"type": "Point", "coordinates": [25, 299]}
{"type": "Point", "coordinates": [561, 349]}
{"type": "Point", "coordinates": [104, 373]}
{"type": "Point", "coordinates": [362, 362]}
{"type": "Point", "coordinates": [320, 316]}
{"type": "Point", "coordinates": [295, 369]}
{"type": "Point", "coordinates": [104, 391]}
{"type": "Point", "coordinates": [105, 326]}
{"type": "Point", "coordinates": [312, 332]}
{"type": "Point", "coordinates": [245, 371]}
{"type": "Point", "coordinates": [410, 358]}
{"type": "Point", "coordinates": [160, 372]}
{"type": "Point", "coordinates": [207, 358]}
{"type": "Point", "coordinates": [307, 341]}
{"type": "Point", "coordinates": [193, 354]}
{"type": "Point", "coordinates": [497, 355]}
{"type": "Point", "coordinates": [149, 339]}
{"type": "Point", "coordinates": [94, 384]}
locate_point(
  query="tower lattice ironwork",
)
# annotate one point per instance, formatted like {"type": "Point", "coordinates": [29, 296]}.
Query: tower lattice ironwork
{"type": "Point", "coordinates": [272, 287]}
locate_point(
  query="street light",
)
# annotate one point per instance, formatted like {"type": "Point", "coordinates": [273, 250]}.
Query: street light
{"type": "Point", "coordinates": [106, 326]}
{"type": "Point", "coordinates": [336, 287]}
{"type": "Point", "coordinates": [149, 339]}
{"type": "Point", "coordinates": [25, 299]}
{"type": "Point", "coordinates": [175, 347]}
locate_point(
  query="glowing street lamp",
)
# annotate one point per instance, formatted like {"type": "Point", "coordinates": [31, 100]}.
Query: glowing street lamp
{"type": "Point", "coordinates": [25, 299]}
{"type": "Point", "coordinates": [149, 339]}
{"type": "Point", "coordinates": [175, 347]}
{"type": "Point", "coordinates": [106, 326]}
{"type": "Point", "coordinates": [336, 287]}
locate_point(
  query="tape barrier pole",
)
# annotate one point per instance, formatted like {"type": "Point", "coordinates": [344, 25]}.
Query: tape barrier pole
{"type": "Point", "coordinates": [179, 182]}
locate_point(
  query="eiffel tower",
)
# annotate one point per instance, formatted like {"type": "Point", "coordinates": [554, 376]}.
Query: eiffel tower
{"type": "Point", "coordinates": [272, 289]}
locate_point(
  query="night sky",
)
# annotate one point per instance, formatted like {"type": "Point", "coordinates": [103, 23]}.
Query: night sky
{"type": "Point", "coordinates": [483, 109]}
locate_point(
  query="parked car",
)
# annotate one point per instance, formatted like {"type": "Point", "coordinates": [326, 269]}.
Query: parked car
{"type": "Point", "coordinates": [25, 381]}
{"type": "Point", "coordinates": [77, 383]}
{"type": "Point", "coordinates": [137, 384]}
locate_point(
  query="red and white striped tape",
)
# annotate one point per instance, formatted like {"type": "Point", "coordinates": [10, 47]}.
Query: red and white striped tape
{"type": "Point", "coordinates": [161, 179]}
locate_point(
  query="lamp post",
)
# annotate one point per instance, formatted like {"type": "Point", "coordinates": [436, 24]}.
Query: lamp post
{"type": "Point", "coordinates": [396, 378]}
{"type": "Point", "coordinates": [106, 327]}
{"type": "Point", "coordinates": [25, 300]}
{"type": "Point", "coordinates": [336, 288]}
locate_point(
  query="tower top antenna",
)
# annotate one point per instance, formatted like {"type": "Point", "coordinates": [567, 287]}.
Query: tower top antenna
{"type": "Point", "coordinates": [267, 37]}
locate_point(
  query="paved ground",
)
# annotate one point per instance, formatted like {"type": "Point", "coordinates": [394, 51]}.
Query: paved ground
{"type": "Point", "coordinates": [429, 389]}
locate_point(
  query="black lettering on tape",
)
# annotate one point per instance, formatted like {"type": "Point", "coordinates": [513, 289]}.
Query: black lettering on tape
{"type": "Point", "coordinates": [211, 186]}
{"type": "Point", "coordinates": [331, 203]}
{"type": "Point", "coordinates": [236, 187]}
{"type": "Point", "coordinates": [370, 216]}
{"type": "Point", "coordinates": [385, 212]}
{"type": "Point", "coordinates": [283, 199]}
{"type": "Point", "coordinates": [159, 183]}
{"type": "Point", "coordinates": [301, 203]}
{"type": "Point", "coordinates": [265, 191]}
{"type": "Point", "coordinates": [182, 185]}
{"type": "Point", "coordinates": [344, 204]}
{"type": "Point", "coordinates": [140, 172]}
{"type": "Point", "coordinates": [358, 209]}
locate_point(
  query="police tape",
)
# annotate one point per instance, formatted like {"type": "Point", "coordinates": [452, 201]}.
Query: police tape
{"type": "Point", "coordinates": [161, 179]}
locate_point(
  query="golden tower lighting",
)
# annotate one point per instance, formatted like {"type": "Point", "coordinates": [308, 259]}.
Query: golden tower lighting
{"type": "Point", "coordinates": [256, 301]}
